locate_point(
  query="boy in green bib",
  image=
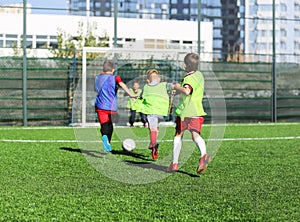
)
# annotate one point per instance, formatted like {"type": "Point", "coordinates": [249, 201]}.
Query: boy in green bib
{"type": "Point", "coordinates": [136, 91]}
{"type": "Point", "coordinates": [155, 104]}
{"type": "Point", "coordinates": [190, 112]}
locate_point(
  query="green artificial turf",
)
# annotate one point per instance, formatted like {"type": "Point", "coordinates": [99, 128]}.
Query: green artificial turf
{"type": "Point", "coordinates": [64, 180]}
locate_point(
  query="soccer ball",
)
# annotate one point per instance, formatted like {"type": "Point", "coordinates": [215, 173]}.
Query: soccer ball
{"type": "Point", "coordinates": [128, 144]}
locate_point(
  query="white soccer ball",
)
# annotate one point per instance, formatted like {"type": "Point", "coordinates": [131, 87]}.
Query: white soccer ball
{"type": "Point", "coordinates": [128, 144]}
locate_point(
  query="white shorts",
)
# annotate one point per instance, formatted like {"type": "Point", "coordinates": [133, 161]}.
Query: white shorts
{"type": "Point", "coordinates": [153, 120]}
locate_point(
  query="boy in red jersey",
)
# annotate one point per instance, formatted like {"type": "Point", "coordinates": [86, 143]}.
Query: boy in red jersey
{"type": "Point", "coordinates": [106, 103]}
{"type": "Point", "coordinates": [190, 112]}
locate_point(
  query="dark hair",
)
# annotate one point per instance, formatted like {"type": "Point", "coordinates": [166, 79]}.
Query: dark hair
{"type": "Point", "coordinates": [135, 81]}
{"type": "Point", "coordinates": [191, 61]}
{"type": "Point", "coordinates": [108, 66]}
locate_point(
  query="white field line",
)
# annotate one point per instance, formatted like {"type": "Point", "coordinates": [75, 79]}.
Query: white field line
{"type": "Point", "coordinates": [167, 141]}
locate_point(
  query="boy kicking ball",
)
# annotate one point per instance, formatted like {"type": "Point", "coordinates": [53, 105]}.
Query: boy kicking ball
{"type": "Point", "coordinates": [190, 112]}
{"type": "Point", "coordinates": [155, 104]}
{"type": "Point", "coordinates": [106, 103]}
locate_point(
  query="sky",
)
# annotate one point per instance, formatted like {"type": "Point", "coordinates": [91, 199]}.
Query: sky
{"type": "Point", "coordinates": [48, 3]}
{"type": "Point", "coordinates": [39, 3]}
{"type": "Point", "coordinates": [61, 4]}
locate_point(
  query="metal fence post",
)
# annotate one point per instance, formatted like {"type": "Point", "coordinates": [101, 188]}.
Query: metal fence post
{"type": "Point", "coordinates": [274, 87]}
{"type": "Point", "coordinates": [24, 65]}
{"type": "Point", "coordinates": [199, 29]}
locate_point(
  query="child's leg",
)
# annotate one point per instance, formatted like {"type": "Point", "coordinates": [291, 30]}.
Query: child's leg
{"type": "Point", "coordinates": [132, 117]}
{"type": "Point", "coordinates": [199, 141]}
{"type": "Point", "coordinates": [106, 129]}
{"type": "Point", "coordinates": [195, 126]}
{"type": "Point", "coordinates": [180, 127]}
{"type": "Point", "coordinates": [143, 119]}
{"type": "Point", "coordinates": [205, 158]}
{"type": "Point", "coordinates": [153, 127]}
{"type": "Point", "coordinates": [177, 143]}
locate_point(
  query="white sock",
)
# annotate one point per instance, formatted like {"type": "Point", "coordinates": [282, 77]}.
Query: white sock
{"type": "Point", "coordinates": [201, 145]}
{"type": "Point", "coordinates": [176, 148]}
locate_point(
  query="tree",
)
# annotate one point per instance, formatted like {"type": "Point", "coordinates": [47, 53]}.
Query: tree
{"type": "Point", "coordinates": [69, 46]}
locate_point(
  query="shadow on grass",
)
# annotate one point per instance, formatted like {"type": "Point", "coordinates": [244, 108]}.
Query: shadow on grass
{"type": "Point", "coordinates": [132, 154]}
{"type": "Point", "coordinates": [91, 153]}
{"type": "Point", "coordinates": [143, 164]}
{"type": "Point", "coordinates": [147, 165]}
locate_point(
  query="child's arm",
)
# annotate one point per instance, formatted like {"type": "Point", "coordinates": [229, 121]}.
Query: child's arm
{"type": "Point", "coordinates": [186, 89]}
{"type": "Point", "coordinates": [125, 88]}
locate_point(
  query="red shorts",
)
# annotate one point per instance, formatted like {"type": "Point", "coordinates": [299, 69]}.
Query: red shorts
{"type": "Point", "coordinates": [105, 116]}
{"type": "Point", "coordinates": [189, 123]}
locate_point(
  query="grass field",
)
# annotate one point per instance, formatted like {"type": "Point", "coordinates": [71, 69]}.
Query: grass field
{"type": "Point", "coordinates": [47, 176]}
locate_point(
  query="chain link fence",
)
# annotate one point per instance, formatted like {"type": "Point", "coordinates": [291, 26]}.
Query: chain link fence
{"type": "Point", "coordinates": [247, 88]}
{"type": "Point", "coordinates": [243, 68]}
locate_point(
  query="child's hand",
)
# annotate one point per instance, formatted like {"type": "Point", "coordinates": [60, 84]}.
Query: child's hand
{"type": "Point", "coordinates": [133, 97]}
{"type": "Point", "coordinates": [175, 86]}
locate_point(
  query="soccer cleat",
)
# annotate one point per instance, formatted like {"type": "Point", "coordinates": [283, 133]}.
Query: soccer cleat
{"type": "Point", "coordinates": [203, 163]}
{"type": "Point", "coordinates": [173, 167]}
{"type": "Point", "coordinates": [106, 144]}
{"type": "Point", "coordinates": [155, 152]}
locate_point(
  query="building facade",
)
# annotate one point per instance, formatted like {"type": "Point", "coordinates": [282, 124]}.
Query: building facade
{"type": "Point", "coordinates": [259, 30]}
{"type": "Point", "coordinates": [132, 33]}
{"type": "Point", "coordinates": [224, 14]}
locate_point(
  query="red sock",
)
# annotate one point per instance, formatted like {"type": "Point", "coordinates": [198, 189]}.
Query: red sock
{"type": "Point", "coordinates": [153, 137]}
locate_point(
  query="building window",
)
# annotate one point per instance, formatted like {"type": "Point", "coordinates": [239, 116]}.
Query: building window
{"type": "Point", "coordinates": [28, 44]}
{"type": "Point", "coordinates": [283, 7]}
{"type": "Point", "coordinates": [41, 37]}
{"type": "Point", "coordinates": [217, 33]}
{"type": "Point", "coordinates": [12, 36]}
{"type": "Point", "coordinates": [283, 32]}
{"type": "Point", "coordinates": [297, 45]}
{"type": "Point", "coordinates": [218, 43]}
{"type": "Point", "coordinates": [174, 11]}
{"type": "Point", "coordinates": [11, 43]}
{"type": "Point", "coordinates": [194, 11]}
{"type": "Point", "coordinates": [175, 41]}
{"type": "Point", "coordinates": [41, 44]}
{"type": "Point", "coordinates": [185, 11]}
{"type": "Point", "coordinates": [265, 8]}
{"type": "Point", "coordinates": [282, 45]}
{"type": "Point", "coordinates": [187, 42]}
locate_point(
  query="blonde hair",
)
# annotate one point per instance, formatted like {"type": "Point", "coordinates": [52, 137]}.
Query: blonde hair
{"type": "Point", "coordinates": [152, 74]}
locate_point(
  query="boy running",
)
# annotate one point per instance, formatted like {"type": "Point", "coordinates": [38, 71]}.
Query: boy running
{"type": "Point", "coordinates": [155, 104]}
{"type": "Point", "coordinates": [106, 104]}
{"type": "Point", "coordinates": [190, 112]}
